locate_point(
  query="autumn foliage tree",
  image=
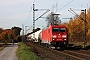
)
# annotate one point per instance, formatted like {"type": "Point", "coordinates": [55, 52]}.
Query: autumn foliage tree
{"type": "Point", "coordinates": [8, 34]}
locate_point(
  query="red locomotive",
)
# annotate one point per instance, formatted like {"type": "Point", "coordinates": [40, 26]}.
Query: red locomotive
{"type": "Point", "coordinates": [56, 36]}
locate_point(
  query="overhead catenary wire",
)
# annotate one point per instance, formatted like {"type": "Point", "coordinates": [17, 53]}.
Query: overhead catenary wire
{"type": "Point", "coordinates": [72, 12]}
{"type": "Point", "coordinates": [30, 28]}
{"type": "Point", "coordinates": [56, 5]}
{"type": "Point", "coordinates": [33, 1]}
{"type": "Point", "coordinates": [30, 12]}
{"type": "Point", "coordinates": [38, 26]}
{"type": "Point", "coordinates": [29, 15]}
{"type": "Point", "coordinates": [66, 5]}
{"type": "Point", "coordinates": [41, 24]}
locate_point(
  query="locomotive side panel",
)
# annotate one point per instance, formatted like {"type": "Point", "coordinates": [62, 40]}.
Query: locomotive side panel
{"type": "Point", "coordinates": [45, 36]}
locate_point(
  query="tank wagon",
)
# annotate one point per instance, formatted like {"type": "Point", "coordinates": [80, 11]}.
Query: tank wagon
{"type": "Point", "coordinates": [35, 38]}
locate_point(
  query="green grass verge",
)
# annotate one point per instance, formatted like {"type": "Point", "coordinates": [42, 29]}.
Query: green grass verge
{"type": "Point", "coordinates": [25, 52]}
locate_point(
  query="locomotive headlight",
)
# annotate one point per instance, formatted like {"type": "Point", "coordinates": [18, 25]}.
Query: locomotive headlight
{"type": "Point", "coordinates": [53, 39]}
{"type": "Point", "coordinates": [64, 36]}
{"type": "Point", "coordinates": [65, 39]}
{"type": "Point", "coordinates": [54, 36]}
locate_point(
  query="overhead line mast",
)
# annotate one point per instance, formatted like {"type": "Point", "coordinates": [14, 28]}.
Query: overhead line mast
{"type": "Point", "coordinates": [38, 17]}
{"type": "Point", "coordinates": [33, 18]}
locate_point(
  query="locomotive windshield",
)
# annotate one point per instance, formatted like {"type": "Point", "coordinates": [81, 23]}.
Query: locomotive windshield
{"type": "Point", "coordinates": [59, 30]}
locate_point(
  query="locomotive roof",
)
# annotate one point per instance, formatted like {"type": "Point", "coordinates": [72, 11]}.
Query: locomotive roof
{"type": "Point", "coordinates": [57, 26]}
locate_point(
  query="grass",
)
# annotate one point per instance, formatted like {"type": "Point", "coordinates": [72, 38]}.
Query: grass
{"type": "Point", "coordinates": [25, 52]}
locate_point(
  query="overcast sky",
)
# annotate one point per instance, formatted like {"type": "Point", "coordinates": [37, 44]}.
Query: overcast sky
{"type": "Point", "coordinates": [18, 12]}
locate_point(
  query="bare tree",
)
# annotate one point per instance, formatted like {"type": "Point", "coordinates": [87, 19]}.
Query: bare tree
{"type": "Point", "coordinates": [53, 19]}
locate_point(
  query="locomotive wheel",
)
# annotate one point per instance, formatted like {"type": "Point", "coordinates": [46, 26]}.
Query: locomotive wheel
{"type": "Point", "coordinates": [48, 45]}
{"type": "Point", "coordinates": [56, 48]}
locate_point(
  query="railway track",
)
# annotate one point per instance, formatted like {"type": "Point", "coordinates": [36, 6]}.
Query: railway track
{"type": "Point", "coordinates": [69, 56]}
{"type": "Point", "coordinates": [82, 54]}
{"type": "Point", "coordinates": [87, 52]}
{"type": "Point", "coordinates": [66, 54]}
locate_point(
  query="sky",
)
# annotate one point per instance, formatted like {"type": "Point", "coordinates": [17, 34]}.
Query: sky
{"type": "Point", "coordinates": [18, 12]}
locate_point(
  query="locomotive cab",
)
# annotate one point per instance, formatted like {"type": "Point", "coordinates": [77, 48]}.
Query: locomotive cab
{"type": "Point", "coordinates": [59, 36]}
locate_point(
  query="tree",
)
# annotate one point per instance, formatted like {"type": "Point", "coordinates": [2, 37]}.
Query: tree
{"type": "Point", "coordinates": [1, 30]}
{"type": "Point", "coordinates": [53, 19]}
{"type": "Point", "coordinates": [16, 32]}
{"type": "Point", "coordinates": [76, 27]}
{"type": "Point", "coordinates": [5, 36]}
{"type": "Point", "coordinates": [8, 34]}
